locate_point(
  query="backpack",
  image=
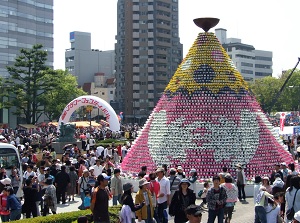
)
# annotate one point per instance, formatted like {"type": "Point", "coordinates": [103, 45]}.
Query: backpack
{"type": "Point", "coordinates": [93, 200]}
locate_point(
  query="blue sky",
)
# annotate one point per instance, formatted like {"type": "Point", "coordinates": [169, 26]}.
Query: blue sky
{"type": "Point", "coordinates": [265, 24]}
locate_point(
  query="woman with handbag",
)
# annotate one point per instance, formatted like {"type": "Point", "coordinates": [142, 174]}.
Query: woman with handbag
{"type": "Point", "coordinates": [146, 213]}
{"type": "Point", "coordinates": [292, 198]}
{"type": "Point", "coordinates": [182, 198]}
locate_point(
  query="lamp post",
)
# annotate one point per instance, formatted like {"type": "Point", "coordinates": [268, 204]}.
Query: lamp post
{"type": "Point", "coordinates": [89, 109]}
{"type": "Point", "coordinates": [98, 117]}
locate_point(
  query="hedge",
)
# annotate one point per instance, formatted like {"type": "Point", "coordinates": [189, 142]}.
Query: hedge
{"type": "Point", "coordinates": [70, 217]}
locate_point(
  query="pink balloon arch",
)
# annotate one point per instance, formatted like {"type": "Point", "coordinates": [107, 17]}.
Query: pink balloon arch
{"type": "Point", "coordinates": [111, 116]}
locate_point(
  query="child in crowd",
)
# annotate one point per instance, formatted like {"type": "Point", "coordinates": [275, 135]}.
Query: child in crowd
{"type": "Point", "coordinates": [87, 200]}
{"type": "Point", "coordinates": [3, 209]}
{"type": "Point", "coordinates": [203, 196]}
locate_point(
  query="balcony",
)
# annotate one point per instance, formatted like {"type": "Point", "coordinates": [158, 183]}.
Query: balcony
{"type": "Point", "coordinates": [135, 52]}
{"type": "Point", "coordinates": [135, 16]}
{"type": "Point", "coordinates": [135, 43]}
{"type": "Point", "coordinates": [150, 61]}
{"type": "Point", "coordinates": [150, 25]}
{"type": "Point", "coordinates": [150, 35]}
{"type": "Point", "coordinates": [151, 95]}
{"type": "Point", "coordinates": [135, 69]}
{"type": "Point", "coordinates": [150, 78]}
{"type": "Point", "coordinates": [136, 35]}
{"type": "Point", "coordinates": [136, 95]}
{"type": "Point", "coordinates": [135, 60]}
{"type": "Point", "coordinates": [136, 78]}
{"type": "Point", "coordinates": [136, 87]}
{"type": "Point", "coordinates": [136, 8]}
{"type": "Point", "coordinates": [150, 69]}
{"type": "Point", "coordinates": [135, 25]}
{"type": "Point", "coordinates": [150, 87]}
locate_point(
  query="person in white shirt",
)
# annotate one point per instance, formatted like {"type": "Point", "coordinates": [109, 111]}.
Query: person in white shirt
{"type": "Point", "coordinates": [99, 150]}
{"type": "Point", "coordinates": [273, 209]}
{"type": "Point", "coordinates": [98, 167]}
{"type": "Point", "coordinates": [163, 199]}
{"type": "Point", "coordinates": [92, 143]}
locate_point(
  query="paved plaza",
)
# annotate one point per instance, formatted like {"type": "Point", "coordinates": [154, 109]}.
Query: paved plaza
{"type": "Point", "coordinates": [244, 211]}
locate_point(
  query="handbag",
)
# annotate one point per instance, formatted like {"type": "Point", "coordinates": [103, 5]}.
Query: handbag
{"type": "Point", "coordinates": [48, 201]}
{"type": "Point", "coordinates": [291, 212]}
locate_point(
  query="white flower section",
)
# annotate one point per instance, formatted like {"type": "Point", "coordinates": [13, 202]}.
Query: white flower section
{"type": "Point", "coordinates": [228, 140]}
{"type": "Point", "coordinates": [158, 132]}
{"type": "Point", "coordinates": [187, 64]}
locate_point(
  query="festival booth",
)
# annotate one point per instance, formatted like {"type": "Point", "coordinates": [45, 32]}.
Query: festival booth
{"type": "Point", "coordinates": [28, 128]}
{"type": "Point", "coordinates": [207, 119]}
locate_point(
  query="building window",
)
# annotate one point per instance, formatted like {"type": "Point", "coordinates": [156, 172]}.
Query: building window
{"type": "Point", "coordinates": [262, 66]}
{"type": "Point", "coordinates": [263, 58]}
{"type": "Point", "coordinates": [103, 93]}
{"type": "Point", "coordinates": [262, 74]}
{"type": "Point", "coordinates": [111, 92]}
{"type": "Point", "coordinates": [246, 64]}
{"type": "Point", "coordinates": [247, 71]}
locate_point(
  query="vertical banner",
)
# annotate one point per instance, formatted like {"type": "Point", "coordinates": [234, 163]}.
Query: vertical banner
{"type": "Point", "coordinates": [282, 118]}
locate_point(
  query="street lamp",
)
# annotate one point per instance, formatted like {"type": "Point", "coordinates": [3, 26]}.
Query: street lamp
{"type": "Point", "coordinates": [98, 116]}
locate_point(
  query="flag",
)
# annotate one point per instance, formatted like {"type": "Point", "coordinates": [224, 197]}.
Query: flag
{"type": "Point", "coordinates": [282, 119]}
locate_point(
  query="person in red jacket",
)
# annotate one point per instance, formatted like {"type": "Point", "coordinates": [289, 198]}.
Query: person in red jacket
{"type": "Point", "coordinates": [3, 210]}
{"type": "Point", "coordinates": [154, 188]}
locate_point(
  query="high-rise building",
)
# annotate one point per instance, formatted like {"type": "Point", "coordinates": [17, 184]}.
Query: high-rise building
{"type": "Point", "coordinates": [148, 52]}
{"type": "Point", "coordinates": [23, 23]}
{"type": "Point", "coordinates": [83, 62]}
{"type": "Point", "coordinates": [251, 63]}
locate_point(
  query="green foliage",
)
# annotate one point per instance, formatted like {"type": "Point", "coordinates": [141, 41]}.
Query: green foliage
{"type": "Point", "coordinates": [266, 89]}
{"type": "Point", "coordinates": [27, 83]}
{"type": "Point", "coordinates": [70, 217]}
{"type": "Point", "coordinates": [65, 91]}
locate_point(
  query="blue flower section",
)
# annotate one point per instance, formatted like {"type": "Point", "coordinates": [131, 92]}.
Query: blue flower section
{"type": "Point", "coordinates": [204, 74]}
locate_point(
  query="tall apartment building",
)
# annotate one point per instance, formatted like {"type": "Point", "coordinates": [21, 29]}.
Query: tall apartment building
{"type": "Point", "coordinates": [148, 52]}
{"type": "Point", "coordinates": [83, 62]}
{"type": "Point", "coordinates": [23, 23]}
{"type": "Point", "coordinates": [251, 63]}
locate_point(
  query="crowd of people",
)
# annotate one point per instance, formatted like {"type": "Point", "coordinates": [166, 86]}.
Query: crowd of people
{"type": "Point", "coordinates": [95, 176]}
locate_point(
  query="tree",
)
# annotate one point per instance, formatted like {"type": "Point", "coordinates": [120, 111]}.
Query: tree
{"type": "Point", "coordinates": [27, 83]}
{"type": "Point", "coordinates": [290, 98]}
{"type": "Point", "coordinates": [265, 90]}
{"type": "Point", "coordinates": [65, 91]}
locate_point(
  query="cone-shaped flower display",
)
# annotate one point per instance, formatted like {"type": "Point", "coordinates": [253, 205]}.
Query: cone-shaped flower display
{"type": "Point", "coordinates": [207, 119]}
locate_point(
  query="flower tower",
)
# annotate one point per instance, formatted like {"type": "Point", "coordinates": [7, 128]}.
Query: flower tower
{"type": "Point", "coordinates": [207, 119]}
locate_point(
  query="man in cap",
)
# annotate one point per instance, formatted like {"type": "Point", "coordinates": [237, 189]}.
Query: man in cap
{"type": "Point", "coordinates": [240, 181]}
{"type": "Point", "coordinates": [163, 199]}
{"type": "Point", "coordinates": [100, 199]}
{"type": "Point", "coordinates": [180, 173]}
{"type": "Point", "coordinates": [194, 213]}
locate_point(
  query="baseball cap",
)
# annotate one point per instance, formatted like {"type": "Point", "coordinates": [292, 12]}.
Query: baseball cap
{"type": "Point", "coordinates": [5, 181]}
{"type": "Point", "coordinates": [194, 210]}
{"type": "Point", "coordinates": [297, 216]}
{"type": "Point", "coordinates": [103, 177]}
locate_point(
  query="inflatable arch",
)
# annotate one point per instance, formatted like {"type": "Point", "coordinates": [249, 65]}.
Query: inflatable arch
{"type": "Point", "coordinates": [111, 116]}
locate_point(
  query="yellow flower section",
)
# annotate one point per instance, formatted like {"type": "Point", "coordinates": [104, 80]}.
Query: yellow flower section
{"type": "Point", "coordinates": [207, 50]}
